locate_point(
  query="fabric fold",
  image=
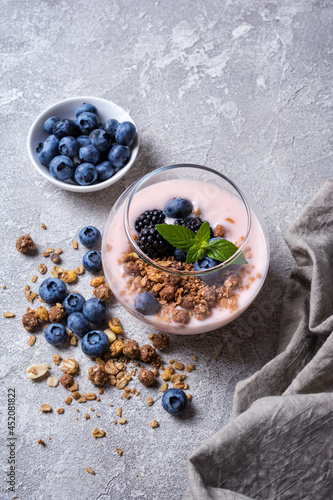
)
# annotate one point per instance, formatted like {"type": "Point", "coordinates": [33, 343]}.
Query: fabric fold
{"type": "Point", "coordinates": [277, 444]}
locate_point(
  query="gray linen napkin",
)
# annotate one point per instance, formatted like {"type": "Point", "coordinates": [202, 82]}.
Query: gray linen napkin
{"type": "Point", "coordinates": [279, 442]}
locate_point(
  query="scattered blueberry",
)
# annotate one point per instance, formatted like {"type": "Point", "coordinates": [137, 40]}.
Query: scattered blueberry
{"type": "Point", "coordinates": [110, 126]}
{"type": "Point", "coordinates": [105, 170]}
{"type": "Point", "coordinates": [83, 140]}
{"type": "Point", "coordinates": [68, 146]}
{"type": "Point", "coordinates": [49, 124]}
{"type": "Point", "coordinates": [147, 304]}
{"type": "Point", "coordinates": [61, 167]}
{"type": "Point", "coordinates": [92, 260]}
{"type": "Point", "coordinates": [94, 310]}
{"type": "Point", "coordinates": [205, 263]}
{"type": "Point", "coordinates": [125, 133]}
{"type": "Point", "coordinates": [95, 344]}
{"type": "Point", "coordinates": [89, 154]}
{"type": "Point", "coordinates": [119, 155]}
{"type": "Point", "coordinates": [78, 324]}
{"type": "Point", "coordinates": [174, 401]}
{"type": "Point", "coordinates": [52, 290]}
{"type": "Point", "coordinates": [73, 303]}
{"type": "Point", "coordinates": [86, 107]}
{"type": "Point", "coordinates": [85, 174]}
{"type": "Point", "coordinates": [101, 140]}
{"type": "Point", "coordinates": [56, 334]}
{"type": "Point", "coordinates": [89, 236]}
{"type": "Point", "coordinates": [65, 127]}
{"type": "Point", "coordinates": [180, 255]}
{"type": "Point", "coordinates": [178, 207]}
{"type": "Point", "coordinates": [48, 150]}
{"type": "Point", "coordinates": [87, 122]}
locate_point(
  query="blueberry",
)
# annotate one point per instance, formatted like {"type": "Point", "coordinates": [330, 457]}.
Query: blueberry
{"type": "Point", "coordinates": [86, 107]}
{"type": "Point", "coordinates": [147, 304]}
{"type": "Point", "coordinates": [85, 174]}
{"type": "Point", "coordinates": [119, 155]}
{"type": "Point", "coordinates": [89, 154]}
{"type": "Point", "coordinates": [95, 344]}
{"type": "Point", "coordinates": [92, 260]}
{"type": "Point", "coordinates": [78, 324]}
{"type": "Point", "coordinates": [180, 255]}
{"type": "Point", "coordinates": [105, 170]}
{"type": "Point", "coordinates": [61, 168]}
{"type": "Point", "coordinates": [73, 303]}
{"type": "Point", "coordinates": [94, 310]}
{"type": "Point", "coordinates": [110, 126]}
{"type": "Point", "coordinates": [62, 128]}
{"type": "Point", "coordinates": [89, 236]}
{"type": "Point", "coordinates": [68, 146]}
{"type": "Point", "coordinates": [178, 207]}
{"type": "Point", "coordinates": [125, 133]}
{"type": "Point", "coordinates": [52, 290]}
{"type": "Point", "coordinates": [100, 139]}
{"type": "Point", "coordinates": [83, 140]}
{"type": "Point", "coordinates": [49, 124]}
{"type": "Point", "coordinates": [87, 122]}
{"type": "Point", "coordinates": [205, 263]}
{"type": "Point", "coordinates": [56, 334]}
{"type": "Point", "coordinates": [174, 401]}
{"type": "Point", "coordinates": [48, 150]}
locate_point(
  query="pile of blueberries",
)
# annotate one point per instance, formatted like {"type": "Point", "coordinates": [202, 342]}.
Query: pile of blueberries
{"type": "Point", "coordinates": [81, 312]}
{"type": "Point", "coordinates": [84, 150]}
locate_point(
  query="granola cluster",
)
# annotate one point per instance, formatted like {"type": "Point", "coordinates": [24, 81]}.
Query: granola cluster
{"type": "Point", "coordinates": [181, 297]}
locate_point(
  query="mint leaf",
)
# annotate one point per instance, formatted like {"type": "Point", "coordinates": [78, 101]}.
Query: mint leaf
{"type": "Point", "coordinates": [222, 250]}
{"type": "Point", "coordinates": [194, 253]}
{"type": "Point", "coordinates": [179, 236]}
{"type": "Point", "coordinates": [202, 235]}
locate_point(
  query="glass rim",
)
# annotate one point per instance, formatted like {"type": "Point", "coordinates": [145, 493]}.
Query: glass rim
{"type": "Point", "coordinates": [133, 189]}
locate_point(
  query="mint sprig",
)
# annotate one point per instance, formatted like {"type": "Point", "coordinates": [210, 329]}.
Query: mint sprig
{"type": "Point", "coordinates": [198, 244]}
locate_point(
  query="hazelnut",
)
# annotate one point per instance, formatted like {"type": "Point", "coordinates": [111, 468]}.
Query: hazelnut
{"type": "Point", "coordinates": [180, 316]}
{"type": "Point", "coordinates": [201, 311]}
{"type": "Point", "coordinates": [30, 320]}
{"type": "Point", "coordinates": [168, 293]}
{"type": "Point", "coordinates": [116, 348]}
{"type": "Point", "coordinates": [146, 377]}
{"type": "Point", "coordinates": [219, 231]}
{"type": "Point", "coordinates": [103, 292]}
{"type": "Point", "coordinates": [56, 313]}
{"type": "Point", "coordinates": [147, 353]}
{"type": "Point", "coordinates": [160, 340]}
{"type": "Point", "coordinates": [25, 244]}
{"type": "Point", "coordinates": [131, 349]}
{"type": "Point", "coordinates": [187, 301]}
{"type": "Point", "coordinates": [67, 380]}
{"type": "Point", "coordinates": [97, 375]}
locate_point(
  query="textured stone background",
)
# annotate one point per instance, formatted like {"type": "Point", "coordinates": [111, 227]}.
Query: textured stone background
{"type": "Point", "coordinates": [241, 86]}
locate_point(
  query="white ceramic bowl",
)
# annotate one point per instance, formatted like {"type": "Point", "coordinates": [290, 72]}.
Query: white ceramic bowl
{"type": "Point", "coordinates": [66, 109]}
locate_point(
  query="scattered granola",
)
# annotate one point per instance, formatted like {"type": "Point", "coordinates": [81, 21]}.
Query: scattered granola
{"type": "Point", "coordinates": [25, 244]}
{"type": "Point", "coordinates": [98, 280]}
{"type": "Point", "coordinates": [79, 270]}
{"type": "Point", "coordinates": [30, 320]}
{"type": "Point", "coordinates": [89, 469]}
{"type": "Point", "coordinates": [68, 276]}
{"type": "Point", "coordinates": [68, 400]}
{"type": "Point", "coordinates": [97, 375]}
{"type": "Point", "coordinates": [115, 326]}
{"type": "Point", "coordinates": [160, 340]}
{"type": "Point", "coordinates": [119, 412]}
{"type": "Point", "coordinates": [116, 348]}
{"type": "Point", "coordinates": [147, 353]}
{"type": "Point", "coordinates": [32, 340]}
{"type": "Point", "coordinates": [98, 433]}
{"type": "Point", "coordinates": [60, 411]}
{"type": "Point", "coordinates": [146, 377]}
{"type": "Point", "coordinates": [69, 365]}
{"type": "Point", "coordinates": [45, 408]}
{"type": "Point", "coordinates": [43, 226]}
{"type": "Point", "coordinates": [75, 244]}
{"type": "Point", "coordinates": [52, 381]}
{"type": "Point", "coordinates": [164, 387]}
{"type": "Point", "coordinates": [119, 451]}
{"type": "Point", "coordinates": [86, 416]}
{"type": "Point", "coordinates": [9, 315]}
{"type": "Point", "coordinates": [34, 278]}
{"type": "Point", "coordinates": [122, 421]}
{"type": "Point", "coordinates": [56, 313]}
{"type": "Point", "coordinates": [154, 424]}
{"type": "Point", "coordinates": [178, 366]}
{"type": "Point", "coordinates": [168, 372]}
{"type": "Point", "coordinates": [57, 359]}
{"type": "Point", "coordinates": [37, 371]}
{"type": "Point", "coordinates": [55, 258]}
{"type": "Point", "coordinates": [67, 380]}
{"type": "Point", "coordinates": [40, 441]}
{"type": "Point", "coordinates": [150, 401]}
{"type": "Point", "coordinates": [131, 349]}
{"type": "Point", "coordinates": [42, 269]}
{"type": "Point", "coordinates": [190, 368]}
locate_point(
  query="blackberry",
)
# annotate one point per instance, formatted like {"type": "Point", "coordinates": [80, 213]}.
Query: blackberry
{"type": "Point", "coordinates": [192, 224]}
{"type": "Point", "coordinates": [149, 218]}
{"type": "Point", "coordinates": [153, 244]}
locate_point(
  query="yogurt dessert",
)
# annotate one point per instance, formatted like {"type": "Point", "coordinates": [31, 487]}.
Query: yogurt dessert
{"type": "Point", "coordinates": [160, 283]}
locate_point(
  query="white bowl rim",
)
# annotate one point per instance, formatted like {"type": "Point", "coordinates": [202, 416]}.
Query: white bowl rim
{"type": "Point", "coordinates": [76, 187]}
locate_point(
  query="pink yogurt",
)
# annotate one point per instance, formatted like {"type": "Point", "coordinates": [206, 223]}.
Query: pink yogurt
{"type": "Point", "coordinates": [217, 206]}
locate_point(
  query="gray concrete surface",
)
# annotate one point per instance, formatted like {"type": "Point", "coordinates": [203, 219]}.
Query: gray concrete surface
{"type": "Point", "coordinates": [241, 86]}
